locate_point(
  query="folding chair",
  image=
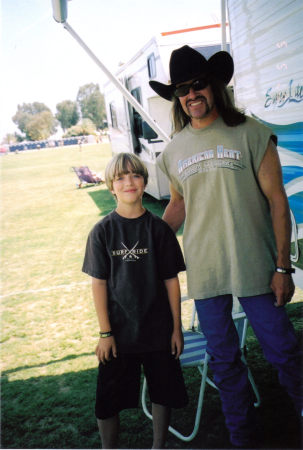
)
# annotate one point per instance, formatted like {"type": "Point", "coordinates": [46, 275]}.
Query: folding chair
{"type": "Point", "coordinates": [195, 355]}
{"type": "Point", "coordinates": [86, 176]}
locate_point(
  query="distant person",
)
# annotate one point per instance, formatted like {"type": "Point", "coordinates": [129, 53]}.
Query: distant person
{"type": "Point", "coordinates": [226, 184]}
{"type": "Point", "coordinates": [134, 258]}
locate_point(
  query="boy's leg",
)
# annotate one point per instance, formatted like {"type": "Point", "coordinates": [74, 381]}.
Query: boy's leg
{"type": "Point", "coordinates": [161, 417]}
{"type": "Point", "coordinates": [166, 390]}
{"type": "Point", "coordinates": [118, 388]}
{"type": "Point", "coordinates": [109, 430]}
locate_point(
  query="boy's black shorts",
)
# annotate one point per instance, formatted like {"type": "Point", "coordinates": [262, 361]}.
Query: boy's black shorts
{"type": "Point", "coordinates": [118, 385]}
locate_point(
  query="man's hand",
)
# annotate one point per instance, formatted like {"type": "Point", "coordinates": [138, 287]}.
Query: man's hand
{"type": "Point", "coordinates": [106, 349]}
{"type": "Point", "coordinates": [177, 343]}
{"type": "Point", "coordinates": [283, 288]}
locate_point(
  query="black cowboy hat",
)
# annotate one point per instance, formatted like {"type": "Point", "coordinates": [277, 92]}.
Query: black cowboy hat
{"type": "Point", "coordinates": [187, 64]}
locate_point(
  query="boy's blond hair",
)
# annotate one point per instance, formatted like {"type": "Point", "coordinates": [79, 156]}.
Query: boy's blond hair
{"type": "Point", "coordinates": [123, 163]}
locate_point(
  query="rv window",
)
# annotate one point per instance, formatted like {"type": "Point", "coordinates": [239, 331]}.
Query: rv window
{"type": "Point", "coordinates": [113, 115]}
{"type": "Point", "coordinates": [137, 94]}
{"type": "Point", "coordinates": [151, 65]}
{"type": "Point", "coordinates": [136, 123]}
{"type": "Point", "coordinates": [148, 132]}
{"type": "Point", "coordinates": [137, 119]}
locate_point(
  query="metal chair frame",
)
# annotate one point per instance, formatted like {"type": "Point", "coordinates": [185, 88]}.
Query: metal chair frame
{"type": "Point", "coordinates": [195, 355]}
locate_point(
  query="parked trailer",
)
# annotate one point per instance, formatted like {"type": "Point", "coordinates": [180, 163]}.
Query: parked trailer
{"type": "Point", "coordinates": [127, 129]}
{"type": "Point", "coordinates": [125, 133]}
{"type": "Point", "coordinates": [266, 43]}
{"type": "Point", "coordinates": [267, 50]}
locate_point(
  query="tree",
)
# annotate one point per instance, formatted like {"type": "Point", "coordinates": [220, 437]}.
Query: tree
{"type": "Point", "coordinates": [31, 115]}
{"type": "Point", "coordinates": [83, 128]}
{"type": "Point", "coordinates": [40, 126]}
{"type": "Point", "coordinates": [91, 103]}
{"type": "Point", "coordinates": [9, 138]}
{"type": "Point", "coordinates": [67, 114]}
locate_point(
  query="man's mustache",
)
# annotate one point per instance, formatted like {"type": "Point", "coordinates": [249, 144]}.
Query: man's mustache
{"type": "Point", "coordinates": [199, 97]}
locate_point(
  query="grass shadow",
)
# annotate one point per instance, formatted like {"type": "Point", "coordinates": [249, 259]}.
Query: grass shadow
{"type": "Point", "coordinates": [54, 361]}
{"type": "Point", "coordinates": [105, 202]}
{"type": "Point", "coordinates": [157, 207]}
{"type": "Point", "coordinates": [299, 263]}
{"type": "Point", "coordinates": [58, 412]}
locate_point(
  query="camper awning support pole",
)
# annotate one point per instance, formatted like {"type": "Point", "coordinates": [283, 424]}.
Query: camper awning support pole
{"type": "Point", "coordinates": [119, 85]}
{"type": "Point", "coordinates": [223, 25]}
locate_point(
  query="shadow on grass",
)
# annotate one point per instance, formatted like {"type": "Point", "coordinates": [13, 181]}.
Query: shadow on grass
{"type": "Point", "coordinates": [300, 262]}
{"type": "Point", "coordinates": [58, 412]}
{"type": "Point", "coordinates": [105, 202]}
{"type": "Point", "coordinates": [55, 361]}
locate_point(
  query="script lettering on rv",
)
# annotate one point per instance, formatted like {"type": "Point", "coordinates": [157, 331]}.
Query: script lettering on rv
{"type": "Point", "coordinates": [293, 93]}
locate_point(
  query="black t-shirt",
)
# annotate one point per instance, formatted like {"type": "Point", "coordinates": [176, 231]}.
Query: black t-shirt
{"type": "Point", "coordinates": [135, 256]}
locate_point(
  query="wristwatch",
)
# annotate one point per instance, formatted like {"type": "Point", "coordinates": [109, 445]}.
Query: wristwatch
{"type": "Point", "coordinates": [285, 271]}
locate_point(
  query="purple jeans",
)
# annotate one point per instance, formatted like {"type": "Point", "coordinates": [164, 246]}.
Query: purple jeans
{"type": "Point", "coordinates": [276, 335]}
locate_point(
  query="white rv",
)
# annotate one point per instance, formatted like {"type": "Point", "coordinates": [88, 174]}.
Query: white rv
{"type": "Point", "coordinates": [266, 44]}
{"type": "Point", "coordinates": [127, 129]}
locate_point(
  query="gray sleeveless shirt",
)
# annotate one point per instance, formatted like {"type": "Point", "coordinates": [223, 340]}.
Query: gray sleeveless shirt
{"type": "Point", "coordinates": [228, 238]}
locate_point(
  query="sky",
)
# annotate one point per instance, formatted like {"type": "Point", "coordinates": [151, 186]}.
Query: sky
{"type": "Point", "coordinates": [42, 62]}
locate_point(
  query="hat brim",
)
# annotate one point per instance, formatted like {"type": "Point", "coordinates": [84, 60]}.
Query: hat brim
{"type": "Point", "coordinates": [164, 90]}
{"type": "Point", "coordinates": [220, 65]}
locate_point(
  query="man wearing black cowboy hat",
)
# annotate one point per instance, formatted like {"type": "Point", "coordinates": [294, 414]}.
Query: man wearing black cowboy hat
{"type": "Point", "coordinates": [226, 183]}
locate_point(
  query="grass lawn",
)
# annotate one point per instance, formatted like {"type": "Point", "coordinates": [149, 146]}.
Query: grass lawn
{"type": "Point", "coordinates": [49, 329]}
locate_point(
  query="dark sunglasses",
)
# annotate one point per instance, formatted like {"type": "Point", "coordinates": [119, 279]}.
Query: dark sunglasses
{"type": "Point", "coordinates": [196, 85]}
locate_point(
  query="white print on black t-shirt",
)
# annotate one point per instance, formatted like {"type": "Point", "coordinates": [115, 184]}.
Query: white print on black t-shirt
{"type": "Point", "coordinates": [130, 254]}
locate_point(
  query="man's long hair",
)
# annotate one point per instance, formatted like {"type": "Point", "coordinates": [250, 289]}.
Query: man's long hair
{"type": "Point", "coordinates": [224, 104]}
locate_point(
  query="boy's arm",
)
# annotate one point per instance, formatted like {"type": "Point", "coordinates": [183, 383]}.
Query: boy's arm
{"type": "Point", "coordinates": [106, 346]}
{"type": "Point", "coordinates": [174, 295]}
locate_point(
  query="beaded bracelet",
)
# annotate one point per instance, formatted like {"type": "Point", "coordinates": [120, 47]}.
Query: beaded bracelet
{"type": "Point", "coordinates": [105, 334]}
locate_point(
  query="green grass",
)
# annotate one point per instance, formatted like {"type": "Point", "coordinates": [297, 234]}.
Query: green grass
{"type": "Point", "coordinates": [300, 246]}
{"type": "Point", "coordinates": [49, 329]}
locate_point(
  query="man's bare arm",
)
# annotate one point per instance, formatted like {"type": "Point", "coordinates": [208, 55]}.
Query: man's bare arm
{"type": "Point", "coordinates": [270, 179]}
{"type": "Point", "coordinates": [174, 213]}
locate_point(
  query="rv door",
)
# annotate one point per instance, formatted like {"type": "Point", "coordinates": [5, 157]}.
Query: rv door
{"type": "Point", "coordinates": [136, 121]}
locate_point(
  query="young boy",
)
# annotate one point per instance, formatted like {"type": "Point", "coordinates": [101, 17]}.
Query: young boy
{"type": "Point", "coordinates": [134, 258]}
